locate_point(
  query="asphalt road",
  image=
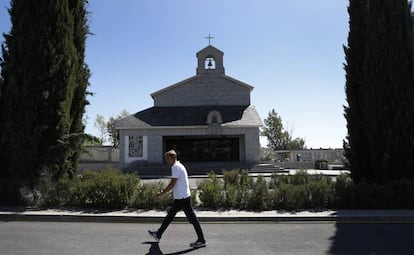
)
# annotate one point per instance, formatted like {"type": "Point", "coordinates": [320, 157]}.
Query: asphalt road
{"type": "Point", "coordinates": [230, 238]}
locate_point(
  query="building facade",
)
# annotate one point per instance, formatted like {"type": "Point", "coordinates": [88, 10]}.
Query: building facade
{"type": "Point", "coordinates": [207, 117]}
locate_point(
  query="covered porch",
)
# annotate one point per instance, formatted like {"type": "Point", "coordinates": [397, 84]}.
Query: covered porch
{"type": "Point", "coordinates": [206, 148]}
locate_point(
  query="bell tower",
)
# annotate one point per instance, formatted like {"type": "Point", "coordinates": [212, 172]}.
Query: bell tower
{"type": "Point", "coordinates": [210, 60]}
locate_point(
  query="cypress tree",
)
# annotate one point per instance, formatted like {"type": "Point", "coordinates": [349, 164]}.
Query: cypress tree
{"type": "Point", "coordinates": [379, 89]}
{"type": "Point", "coordinates": [81, 30]}
{"type": "Point", "coordinates": [3, 82]}
{"type": "Point", "coordinates": [43, 89]}
{"type": "Point", "coordinates": [354, 55]}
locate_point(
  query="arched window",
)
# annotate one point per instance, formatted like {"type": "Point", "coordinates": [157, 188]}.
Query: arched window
{"type": "Point", "coordinates": [214, 118]}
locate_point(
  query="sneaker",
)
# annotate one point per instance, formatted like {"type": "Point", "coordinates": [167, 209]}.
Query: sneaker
{"type": "Point", "coordinates": [154, 235]}
{"type": "Point", "coordinates": [198, 244]}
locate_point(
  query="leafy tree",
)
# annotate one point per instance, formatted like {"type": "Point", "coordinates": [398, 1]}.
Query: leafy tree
{"type": "Point", "coordinates": [279, 138]}
{"type": "Point", "coordinates": [106, 129]}
{"type": "Point", "coordinates": [379, 89]}
{"type": "Point", "coordinates": [91, 140]}
{"type": "Point", "coordinates": [276, 136]}
{"type": "Point", "coordinates": [43, 89]}
{"type": "Point", "coordinates": [101, 124]}
{"type": "Point", "coordinates": [114, 133]}
{"type": "Point", "coordinates": [297, 144]}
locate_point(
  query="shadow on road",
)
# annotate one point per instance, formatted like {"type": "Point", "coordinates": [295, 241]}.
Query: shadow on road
{"type": "Point", "coordinates": [372, 238]}
{"type": "Point", "coordinates": [155, 250]}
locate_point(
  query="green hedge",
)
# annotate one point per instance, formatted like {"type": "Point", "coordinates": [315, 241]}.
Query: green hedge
{"type": "Point", "coordinates": [145, 197]}
{"type": "Point", "coordinates": [236, 190]}
{"type": "Point", "coordinates": [107, 189]}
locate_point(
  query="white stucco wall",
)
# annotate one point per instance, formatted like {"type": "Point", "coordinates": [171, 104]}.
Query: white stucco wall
{"type": "Point", "coordinates": [250, 151]}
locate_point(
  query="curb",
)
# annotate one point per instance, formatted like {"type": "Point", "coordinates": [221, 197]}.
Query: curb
{"type": "Point", "coordinates": [78, 218]}
{"type": "Point", "coordinates": [350, 217]}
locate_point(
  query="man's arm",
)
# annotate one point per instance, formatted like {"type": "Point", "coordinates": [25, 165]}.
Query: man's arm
{"type": "Point", "coordinates": [169, 187]}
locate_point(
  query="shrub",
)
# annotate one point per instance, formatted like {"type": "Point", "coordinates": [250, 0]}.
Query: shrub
{"type": "Point", "coordinates": [344, 188]}
{"type": "Point", "coordinates": [231, 196]}
{"type": "Point", "coordinates": [245, 186]}
{"type": "Point", "coordinates": [113, 189]}
{"type": "Point", "coordinates": [321, 193]}
{"type": "Point", "coordinates": [259, 195]}
{"type": "Point", "coordinates": [300, 178]}
{"type": "Point", "coordinates": [246, 180]}
{"type": "Point", "coordinates": [237, 187]}
{"type": "Point", "coordinates": [194, 197]}
{"type": "Point", "coordinates": [211, 191]}
{"type": "Point", "coordinates": [231, 189]}
{"type": "Point", "coordinates": [365, 196]}
{"type": "Point", "coordinates": [301, 191]}
{"type": "Point", "coordinates": [145, 197]}
{"type": "Point", "coordinates": [231, 177]}
{"type": "Point", "coordinates": [292, 197]}
{"type": "Point", "coordinates": [107, 189]}
{"type": "Point", "coordinates": [276, 180]}
{"type": "Point", "coordinates": [51, 193]}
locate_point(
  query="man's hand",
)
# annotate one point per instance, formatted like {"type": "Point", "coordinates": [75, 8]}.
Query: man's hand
{"type": "Point", "coordinates": [168, 188]}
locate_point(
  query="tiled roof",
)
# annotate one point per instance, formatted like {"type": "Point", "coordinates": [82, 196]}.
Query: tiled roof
{"type": "Point", "coordinates": [189, 80]}
{"type": "Point", "coordinates": [190, 116]}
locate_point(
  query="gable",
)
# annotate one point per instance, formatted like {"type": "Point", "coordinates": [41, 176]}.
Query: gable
{"type": "Point", "coordinates": [204, 90]}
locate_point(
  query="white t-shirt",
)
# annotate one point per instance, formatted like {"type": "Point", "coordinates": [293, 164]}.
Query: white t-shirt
{"type": "Point", "coordinates": [181, 188]}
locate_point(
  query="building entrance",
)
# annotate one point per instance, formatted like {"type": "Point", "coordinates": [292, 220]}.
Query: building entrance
{"type": "Point", "coordinates": [201, 149]}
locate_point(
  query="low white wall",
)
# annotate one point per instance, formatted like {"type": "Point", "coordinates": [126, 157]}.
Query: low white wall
{"type": "Point", "coordinates": [100, 154]}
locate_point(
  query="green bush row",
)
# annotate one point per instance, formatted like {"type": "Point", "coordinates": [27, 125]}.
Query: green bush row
{"type": "Point", "coordinates": [236, 190]}
{"type": "Point", "coordinates": [107, 189]}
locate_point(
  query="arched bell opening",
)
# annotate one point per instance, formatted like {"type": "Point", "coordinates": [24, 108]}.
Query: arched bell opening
{"type": "Point", "coordinates": [210, 63]}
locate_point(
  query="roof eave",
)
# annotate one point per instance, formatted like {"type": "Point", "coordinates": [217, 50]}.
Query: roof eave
{"type": "Point", "coordinates": [250, 87]}
{"type": "Point", "coordinates": [174, 85]}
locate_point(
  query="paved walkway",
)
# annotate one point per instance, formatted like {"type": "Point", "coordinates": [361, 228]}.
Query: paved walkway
{"type": "Point", "coordinates": [144, 216]}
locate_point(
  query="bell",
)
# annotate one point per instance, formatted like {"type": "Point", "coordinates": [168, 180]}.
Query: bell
{"type": "Point", "coordinates": [209, 63]}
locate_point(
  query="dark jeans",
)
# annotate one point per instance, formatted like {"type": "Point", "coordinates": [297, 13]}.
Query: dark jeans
{"type": "Point", "coordinates": [185, 205]}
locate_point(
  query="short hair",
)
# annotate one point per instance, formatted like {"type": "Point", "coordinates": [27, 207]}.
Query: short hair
{"type": "Point", "coordinates": [171, 153]}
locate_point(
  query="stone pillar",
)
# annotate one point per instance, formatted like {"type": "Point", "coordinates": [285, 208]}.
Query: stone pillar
{"type": "Point", "coordinates": [252, 146]}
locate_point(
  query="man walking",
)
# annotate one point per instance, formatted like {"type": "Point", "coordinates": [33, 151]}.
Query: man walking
{"type": "Point", "coordinates": [182, 200]}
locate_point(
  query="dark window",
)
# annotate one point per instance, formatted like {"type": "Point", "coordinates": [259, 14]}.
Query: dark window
{"type": "Point", "coordinates": [205, 149]}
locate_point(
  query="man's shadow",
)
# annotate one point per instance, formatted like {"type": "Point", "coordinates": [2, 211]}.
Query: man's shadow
{"type": "Point", "coordinates": [155, 250]}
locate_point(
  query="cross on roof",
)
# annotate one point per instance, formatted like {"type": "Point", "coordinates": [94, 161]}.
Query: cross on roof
{"type": "Point", "coordinates": [209, 37]}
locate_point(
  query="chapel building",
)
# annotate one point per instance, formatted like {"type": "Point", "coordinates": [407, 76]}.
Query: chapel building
{"type": "Point", "coordinates": [207, 117]}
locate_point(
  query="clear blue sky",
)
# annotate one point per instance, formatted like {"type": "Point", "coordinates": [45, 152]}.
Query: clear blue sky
{"type": "Point", "coordinates": [290, 51]}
